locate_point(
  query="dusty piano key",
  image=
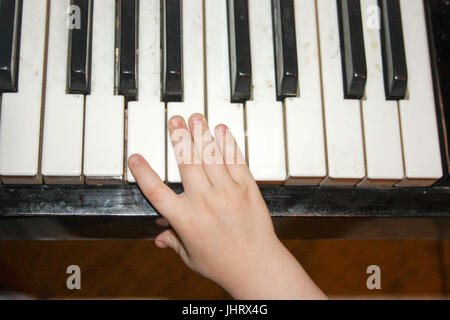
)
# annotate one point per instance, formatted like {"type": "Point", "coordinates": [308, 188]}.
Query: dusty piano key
{"type": "Point", "coordinates": [239, 50]}
{"type": "Point", "coordinates": [146, 129]}
{"type": "Point", "coordinates": [342, 117]}
{"type": "Point", "coordinates": [79, 54]}
{"type": "Point", "coordinates": [20, 119]}
{"type": "Point", "coordinates": [103, 152]}
{"type": "Point", "coordinates": [304, 122]}
{"type": "Point", "coordinates": [285, 48]}
{"type": "Point", "coordinates": [62, 140]}
{"type": "Point", "coordinates": [352, 48]}
{"type": "Point", "coordinates": [220, 109]}
{"type": "Point", "coordinates": [393, 50]}
{"type": "Point", "coordinates": [172, 72]}
{"type": "Point", "coordinates": [421, 150]}
{"type": "Point", "coordinates": [193, 76]}
{"type": "Point", "coordinates": [380, 120]}
{"type": "Point", "coordinates": [10, 21]}
{"type": "Point", "coordinates": [128, 47]}
{"type": "Point", "coordinates": [264, 114]}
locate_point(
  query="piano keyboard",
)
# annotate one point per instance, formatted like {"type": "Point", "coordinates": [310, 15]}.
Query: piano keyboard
{"type": "Point", "coordinates": [316, 92]}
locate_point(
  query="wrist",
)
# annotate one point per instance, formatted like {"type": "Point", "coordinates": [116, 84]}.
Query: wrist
{"type": "Point", "coordinates": [275, 274]}
{"type": "Point", "coordinates": [249, 275]}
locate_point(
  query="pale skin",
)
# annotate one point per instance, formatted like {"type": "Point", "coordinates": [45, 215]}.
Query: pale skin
{"type": "Point", "coordinates": [220, 225]}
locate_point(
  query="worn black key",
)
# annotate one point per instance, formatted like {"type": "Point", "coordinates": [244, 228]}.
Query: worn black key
{"type": "Point", "coordinates": [128, 47]}
{"type": "Point", "coordinates": [354, 67]}
{"type": "Point", "coordinates": [393, 50]}
{"type": "Point", "coordinates": [239, 51]}
{"type": "Point", "coordinates": [10, 26]}
{"type": "Point", "coordinates": [286, 66]}
{"type": "Point", "coordinates": [80, 51]}
{"type": "Point", "coordinates": [172, 70]}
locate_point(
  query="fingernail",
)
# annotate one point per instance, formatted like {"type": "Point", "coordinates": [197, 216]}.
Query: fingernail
{"type": "Point", "coordinates": [134, 160]}
{"type": "Point", "coordinates": [221, 128]}
{"type": "Point", "coordinates": [197, 118]}
{"type": "Point", "coordinates": [160, 244]}
{"type": "Point", "coordinates": [176, 122]}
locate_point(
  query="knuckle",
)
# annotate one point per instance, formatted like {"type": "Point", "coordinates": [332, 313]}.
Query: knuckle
{"type": "Point", "coordinates": [240, 192]}
{"type": "Point", "coordinates": [205, 203]}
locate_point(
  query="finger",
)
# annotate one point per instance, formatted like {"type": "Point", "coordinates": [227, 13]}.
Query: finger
{"type": "Point", "coordinates": [168, 239]}
{"type": "Point", "coordinates": [208, 149]}
{"type": "Point", "coordinates": [232, 155]}
{"type": "Point", "coordinates": [159, 194]}
{"type": "Point", "coordinates": [192, 174]}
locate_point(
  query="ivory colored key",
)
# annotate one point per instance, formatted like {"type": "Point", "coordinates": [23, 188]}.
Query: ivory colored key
{"type": "Point", "coordinates": [264, 114]}
{"type": "Point", "coordinates": [421, 152]}
{"type": "Point", "coordinates": [305, 139]}
{"type": "Point", "coordinates": [146, 117]}
{"type": "Point", "coordinates": [345, 153]}
{"type": "Point", "coordinates": [193, 69]}
{"type": "Point", "coordinates": [219, 106]}
{"type": "Point", "coordinates": [21, 111]}
{"type": "Point", "coordinates": [104, 123]}
{"type": "Point", "coordinates": [380, 117]}
{"type": "Point", "coordinates": [62, 146]}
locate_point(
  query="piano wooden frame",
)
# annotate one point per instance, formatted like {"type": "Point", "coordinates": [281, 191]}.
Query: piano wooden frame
{"type": "Point", "coordinates": [83, 212]}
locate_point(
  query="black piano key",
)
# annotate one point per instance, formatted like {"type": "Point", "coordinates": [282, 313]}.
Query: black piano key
{"type": "Point", "coordinates": [353, 54]}
{"type": "Point", "coordinates": [171, 42]}
{"type": "Point", "coordinates": [286, 66]}
{"type": "Point", "coordinates": [79, 55]}
{"type": "Point", "coordinates": [239, 51]}
{"type": "Point", "coordinates": [128, 47]}
{"type": "Point", "coordinates": [10, 27]}
{"type": "Point", "coordinates": [393, 50]}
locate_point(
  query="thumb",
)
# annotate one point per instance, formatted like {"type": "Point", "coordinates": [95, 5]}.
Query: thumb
{"type": "Point", "coordinates": [169, 239]}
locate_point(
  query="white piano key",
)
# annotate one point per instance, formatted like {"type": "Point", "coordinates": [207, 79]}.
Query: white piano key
{"type": "Point", "coordinates": [21, 112]}
{"type": "Point", "coordinates": [345, 154]}
{"type": "Point", "coordinates": [104, 121]}
{"type": "Point", "coordinates": [422, 157]}
{"type": "Point", "coordinates": [264, 115]}
{"type": "Point", "coordinates": [146, 117]}
{"type": "Point", "coordinates": [62, 145]}
{"type": "Point", "coordinates": [193, 78]}
{"type": "Point", "coordinates": [304, 115]}
{"type": "Point", "coordinates": [219, 106]}
{"type": "Point", "coordinates": [382, 139]}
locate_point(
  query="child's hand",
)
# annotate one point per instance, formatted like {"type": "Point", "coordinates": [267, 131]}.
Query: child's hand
{"type": "Point", "coordinates": [221, 225]}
